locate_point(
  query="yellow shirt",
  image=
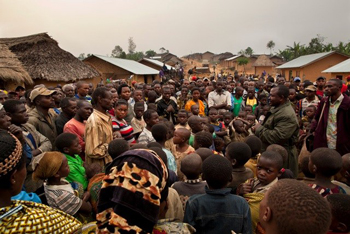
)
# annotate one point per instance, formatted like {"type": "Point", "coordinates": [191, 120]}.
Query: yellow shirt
{"type": "Point", "coordinates": [191, 103]}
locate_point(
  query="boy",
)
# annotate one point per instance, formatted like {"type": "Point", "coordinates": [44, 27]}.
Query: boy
{"type": "Point", "coordinates": [195, 110]}
{"type": "Point", "coordinates": [255, 145]}
{"type": "Point", "coordinates": [195, 101]}
{"type": "Point", "coordinates": [251, 99]}
{"type": "Point", "coordinates": [181, 148]}
{"type": "Point", "coordinates": [68, 144]}
{"type": "Point", "coordinates": [204, 153]}
{"type": "Point", "coordinates": [218, 126]}
{"type": "Point", "coordinates": [218, 211]}
{"type": "Point", "coordinates": [166, 107]}
{"type": "Point", "coordinates": [182, 118]}
{"type": "Point", "coordinates": [238, 153]}
{"type": "Point", "coordinates": [262, 103]}
{"type": "Point", "coordinates": [325, 163]}
{"type": "Point", "coordinates": [151, 118]}
{"type": "Point", "coordinates": [291, 207]}
{"type": "Point", "coordinates": [286, 173]}
{"type": "Point", "coordinates": [137, 123]}
{"type": "Point", "coordinates": [202, 139]}
{"type": "Point", "coordinates": [191, 167]}
{"type": "Point", "coordinates": [238, 131]}
{"type": "Point", "coordinates": [196, 125]}
{"type": "Point", "coordinates": [340, 207]}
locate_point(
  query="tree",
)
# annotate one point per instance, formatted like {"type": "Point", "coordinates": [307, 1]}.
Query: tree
{"type": "Point", "coordinates": [135, 56]}
{"type": "Point", "coordinates": [249, 51]}
{"type": "Point", "coordinates": [150, 53]}
{"type": "Point", "coordinates": [270, 45]}
{"type": "Point", "coordinates": [163, 50]}
{"type": "Point", "coordinates": [132, 45]}
{"type": "Point", "coordinates": [81, 56]}
{"type": "Point", "coordinates": [117, 51]}
{"type": "Point", "coordinates": [242, 62]}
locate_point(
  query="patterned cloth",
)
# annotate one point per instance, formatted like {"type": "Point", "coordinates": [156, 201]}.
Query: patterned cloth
{"type": "Point", "coordinates": [33, 217]}
{"type": "Point", "coordinates": [332, 122]}
{"type": "Point", "coordinates": [94, 188]}
{"type": "Point", "coordinates": [167, 226]}
{"type": "Point", "coordinates": [324, 192]}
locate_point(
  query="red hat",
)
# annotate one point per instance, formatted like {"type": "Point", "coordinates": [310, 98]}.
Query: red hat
{"type": "Point", "coordinates": [134, 82]}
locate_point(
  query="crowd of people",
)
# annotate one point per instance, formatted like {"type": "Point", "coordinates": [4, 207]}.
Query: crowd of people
{"type": "Point", "coordinates": [232, 154]}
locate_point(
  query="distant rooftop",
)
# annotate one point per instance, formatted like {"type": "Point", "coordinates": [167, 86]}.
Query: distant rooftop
{"type": "Point", "coordinates": [340, 67]}
{"type": "Point", "coordinates": [157, 62]}
{"type": "Point", "coordinates": [232, 58]}
{"type": "Point", "coordinates": [305, 60]}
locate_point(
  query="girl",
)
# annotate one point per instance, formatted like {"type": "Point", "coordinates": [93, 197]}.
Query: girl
{"type": "Point", "coordinates": [120, 125]}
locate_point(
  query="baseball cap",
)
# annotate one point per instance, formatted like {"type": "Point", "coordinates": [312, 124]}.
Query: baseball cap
{"type": "Point", "coordinates": [321, 78]}
{"type": "Point", "coordinates": [297, 79]}
{"type": "Point", "coordinates": [311, 88]}
{"type": "Point", "coordinates": [40, 91]}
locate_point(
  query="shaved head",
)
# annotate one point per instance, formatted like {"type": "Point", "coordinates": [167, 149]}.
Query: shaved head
{"type": "Point", "coordinates": [191, 166]}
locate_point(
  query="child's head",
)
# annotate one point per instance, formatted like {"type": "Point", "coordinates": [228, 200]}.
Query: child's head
{"type": "Point", "coordinates": [92, 169]}
{"type": "Point", "coordinates": [184, 91]}
{"type": "Point", "coordinates": [254, 144]}
{"type": "Point", "coordinates": [121, 109]}
{"type": "Point", "coordinates": [204, 153]}
{"type": "Point", "coordinates": [290, 206]}
{"type": "Point", "coordinates": [269, 167]}
{"type": "Point", "coordinates": [251, 92]}
{"type": "Point", "coordinates": [248, 109]}
{"type": "Point", "coordinates": [202, 139]}
{"type": "Point", "coordinates": [152, 96]}
{"type": "Point", "coordinates": [213, 115]}
{"type": "Point", "coordinates": [195, 123]}
{"type": "Point", "coordinates": [195, 109]}
{"type": "Point", "coordinates": [117, 147]}
{"type": "Point", "coordinates": [266, 109]}
{"type": "Point", "coordinates": [325, 161]}
{"type": "Point", "coordinates": [217, 171]}
{"type": "Point", "coordinates": [219, 144]}
{"type": "Point", "coordinates": [251, 119]}
{"type": "Point", "coordinates": [170, 127]}
{"type": "Point", "coordinates": [340, 208]}
{"type": "Point", "coordinates": [279, 149]}
{"type": "Point", "coordinates": [228, 116]}
{"type": "Point", "coordinates": [160, 132]}
{"type": "Point", "coordinates": [138, 96]}
{"type": "Point", "coordinates": [345, 171]}
{"type": "Point", "coordinates": [52, 164]}
{"type": "Point", "coordinates": [292, 94]}
{"type": "Point", "coordinates": [182, 117]}
{"type": "Point", "coordinates": [195, 94]}
{"type": "Point", "coordinates": [239, 126]}
{"type": "Point", "coordinates": [304, 167]}
{"type": "Point", "coordinates": [262, 99]}
{"type": "Point", "coordinates": [191, 166]}
{"type": "Point", "coordinates": [310, 111]}
{"type": "Point", "coordinates": [181, 135]}
{"type": "Point", "coordinates": [238, 153]}
{"type": "Point", "coordinates": [150, 117]}
{"type": "Point", "coordinates": [68, 143]}
{"type": "Point", "coordinates": [239, 91]}
{"type": "Point", "coordinates": [242, 114]}
{"type": "Point", "coordinates": [139, 109]}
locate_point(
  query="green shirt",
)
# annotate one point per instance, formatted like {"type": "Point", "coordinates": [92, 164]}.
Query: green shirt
{"type": "Point", "coordinates": [77, 170]}
{"type": "Point", "coordinates": [237, 103]}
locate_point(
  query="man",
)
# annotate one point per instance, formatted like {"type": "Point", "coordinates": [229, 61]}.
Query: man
{"type": "Point", "coordinates": [68, 90]}
{"type": "Point", "coordinates": [310, 100]}
{"type": "Point", "coordinates": [219, 98]}
{"type": "Point", "coordinates": [124, 92]}
{"type": "Point", "coordinates": [20, 91]}
{"type": "Point", "coordinates": [280, 126]}
{"type": "Point", "coordinates": [166, 107]}
{"type": "Point", "coordinates": [3, 97]}
{"type": "Point", "coordinates": [69, 109]}
{"type": "Point", "coordinates": [158, 89]}
{"type": "Point", "coordinates": [331, 125]}
{"type": "Point", "coordinates": [297, 81]}
{"type": "Point", "coordinates": [320, 82]}
{"type": "Point", "coordinates": [40, 116]}
{"type": "Point", "coordinates": [83, 91]}
{"type": "Point", "coordinates": [57, 98]}
{"type": "Point", "coordinates": [77, 124]}
{"type": "Point", "coordinates": [98, 129]}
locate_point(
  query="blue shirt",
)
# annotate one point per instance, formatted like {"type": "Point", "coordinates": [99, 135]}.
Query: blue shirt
{"type": "Point", "coordinates": [171, 160]}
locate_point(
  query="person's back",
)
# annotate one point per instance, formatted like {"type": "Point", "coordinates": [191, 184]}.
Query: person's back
{"type": "Point", "coordinates": [218, 211]}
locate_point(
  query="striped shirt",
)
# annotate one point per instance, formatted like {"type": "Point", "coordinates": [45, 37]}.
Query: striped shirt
{"type": "Point", "coordinates": [125, 130]}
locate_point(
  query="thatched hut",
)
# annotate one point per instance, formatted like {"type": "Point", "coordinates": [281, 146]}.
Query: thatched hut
{"type": "Point", "coordinates": [45, 62]}
{"type": "Point", "coordinates": [263, 63]}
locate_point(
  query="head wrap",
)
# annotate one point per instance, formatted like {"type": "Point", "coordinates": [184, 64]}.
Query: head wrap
{"type": "Point", "coordinates": [12, 160]}
{"type": "Point", "coordinates": [131, 192]}
{"type": "Point", "coordinates": [46, 165]}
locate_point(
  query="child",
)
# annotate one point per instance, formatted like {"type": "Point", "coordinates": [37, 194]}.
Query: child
{"type": "Point", "coordinates": [228, 116]}
{"type": "Point", "coordinates": [204, 153]}
{"type": "Point", "coordinates": [218, 126]}
{"type": "Point", "coordinates": [242, 115]}
{"type": "Point", "coordinates": [117, 147]}
{"type": "Point", "coordinates": [345, 173]}
{"type": "Point", "coordinates": [181, 148]}
{"type": "Point", "coordinates": [219, 145]}
{"type": "Point", "coordinates": [308, 117]}
{"type": "Point", "coordinates": [238, 153]}
{"type": "Point", "coordinates": [159, 133]}
{"type": "Point", "coordinates": [248, 109]}
{"type": "Point", "coordinates": [137, 123]}
{"type": "Point", "coordinates": [202, 139]}
{"type": "Point", "coordinates": [266, 109]}
{"type": "Point", "coordinates": [218, 211]}
{"type": "Point", "coordinates": [52, 168]}
{"type": "Point", "coordinates": [251, 99]}
{"type": "Point", "coordinates": [195, 110]}
{"type": "Point", "coordinates": [151, 118]}
{"type": "Point", "coordinates": [182, 98]}
{"type": "Point", "coordinates": [308, 178]}
{"type": "Point", "coordinates": [255, 146]}
{"type": "Point", "coordinates": [196, 125]}
{"type": "Point", "coordinates": [191, 167]}
{"type": "Point", "coordinates": [325, 163]}
{"type": "Point", "coordinates": [182, 118]}
{"type": "Point", "coordinates": [268, 170]}
{"type": "Point", "coordinates": [340, 207]}
{"type": "Point", "coordinates": [286, 173]}
{"type": "Point", "coordinates": [120, 125]}
{"type": "Point", "coordinates": [169, 144]}
{"type": "Point", "coordinates": [68, 144]}
{"type": "Point", "coordinates": [195, 101]}
{"type": "Point", "coordinates": [238, 131]}
{"type": "Point", "coordinates": [262, 102]}
{"type": "Point", "coordinates": [291, 207]}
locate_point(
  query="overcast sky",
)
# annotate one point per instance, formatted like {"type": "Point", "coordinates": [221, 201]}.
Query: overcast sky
{"type": "Point", "coordinates": [181, 26]}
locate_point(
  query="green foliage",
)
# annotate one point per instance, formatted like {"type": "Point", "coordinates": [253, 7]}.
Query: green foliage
{"type": "Point", "coordinates": [270, 45]}
{"type": "Point", "coordinates": [150, 53]}
{"type": "Point", "coordinates": [81, 56]}
{"type": "Point", "coordinates": [132, 45]}
{"type": "Point", "coordinates": [242, 61]}
{"type": "Point", "coordinates": [117, 51]}
{"type": "Point", "coordinates": [135, 56]}
{"type": "Point", "coordinates": [247, 52]}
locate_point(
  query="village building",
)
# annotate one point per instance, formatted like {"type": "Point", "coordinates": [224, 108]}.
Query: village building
{"type": "Point", "coordinates": [117, 68]}
{"type": "Point", "coordinates": [263, 65]}
{"type": "Point", "coordinates": [309, 67]}
{"type": "Point", "coordinates": [168, 58]}
{"type": "Point", "coordinates": [340, 70]}
{"type": "Point", "coordinates": [155, 64]}
{"type": "Point", "coordinates": [37, 59]}
{"type": "Point", "coordinates": [207, 56]}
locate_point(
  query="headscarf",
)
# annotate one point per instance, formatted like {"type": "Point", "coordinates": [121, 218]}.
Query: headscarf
{"type": "Point", "coordinates": [46, 165]}
{"type": "Point", "coordinates": [131, 192]}
{"type": "Point", "coordinates": [7, 141]}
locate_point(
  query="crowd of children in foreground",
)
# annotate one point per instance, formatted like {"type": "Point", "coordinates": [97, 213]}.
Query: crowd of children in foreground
{"type": "Point", "coordinates": [182, 168]}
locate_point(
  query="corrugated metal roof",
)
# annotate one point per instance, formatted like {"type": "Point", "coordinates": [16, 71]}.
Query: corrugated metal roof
{"type": "Point", "coordinates": [304, 60]}
{"type": "Point", "coordinates": [232, 58]}
{"type": "Point", "coordinates": [129, 65]}
{"type": "Point", "coordinates": [159, 63]}
{"type": "Point", "coordinates": [340, 67]}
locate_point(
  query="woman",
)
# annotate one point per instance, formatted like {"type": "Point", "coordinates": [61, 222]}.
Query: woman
{"type": "Point", "coordinates": [18, 216]}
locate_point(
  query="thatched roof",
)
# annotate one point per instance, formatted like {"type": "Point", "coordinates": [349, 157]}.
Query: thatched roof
{"type": "Point", "coordinates": [263, 61]}
{"type": "Point", "coordinates": [11, 68]}
{"type": "Point", "coordinates": [42, 58]}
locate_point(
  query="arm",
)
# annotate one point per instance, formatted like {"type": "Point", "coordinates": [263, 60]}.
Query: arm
{"type": "Point", "coordinates": [317, 116]}
{"type": "Point", "coordinates": [43, 143]}
{"type": "Point", "coordinates": [190, 214]}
